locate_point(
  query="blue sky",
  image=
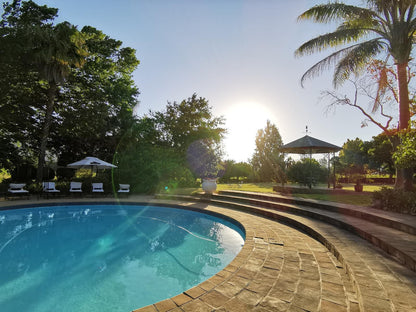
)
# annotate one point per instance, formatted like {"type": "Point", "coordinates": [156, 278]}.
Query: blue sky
{"type": "Point", "coordinates": [238, 54]}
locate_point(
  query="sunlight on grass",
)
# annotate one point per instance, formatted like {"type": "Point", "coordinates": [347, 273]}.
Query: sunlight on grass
{"type": "Point", "coordinates": [360, 199]}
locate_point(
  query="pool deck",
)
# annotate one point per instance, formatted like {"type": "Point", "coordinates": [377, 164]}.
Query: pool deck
{"type": "Point", "coordinates": [280, 268]}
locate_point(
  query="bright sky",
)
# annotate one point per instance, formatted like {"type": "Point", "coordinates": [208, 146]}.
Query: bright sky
{"type": "Point", "coordinates": [238, 54]}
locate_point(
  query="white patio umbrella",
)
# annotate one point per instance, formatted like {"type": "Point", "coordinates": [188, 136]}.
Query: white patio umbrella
{"type": "Point", "coordinates": [92, 163]}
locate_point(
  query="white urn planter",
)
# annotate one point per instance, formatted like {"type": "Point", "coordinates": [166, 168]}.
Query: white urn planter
{"type": "Point", "coordinates": [209, 185]}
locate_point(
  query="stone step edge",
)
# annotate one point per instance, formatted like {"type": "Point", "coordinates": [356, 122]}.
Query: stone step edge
{"type": "Point", "coordinates": [381, 220]}
{"type": "Point", "coordinates": [399, 255]}
{"type": "Point", "coordinates": [291, 222]}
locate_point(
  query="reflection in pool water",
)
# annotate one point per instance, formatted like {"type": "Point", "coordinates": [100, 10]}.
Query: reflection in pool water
{"type": "Point", "coordinates": [107, 257]}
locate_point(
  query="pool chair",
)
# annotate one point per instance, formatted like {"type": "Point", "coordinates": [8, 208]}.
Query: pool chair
{"type": "Point", "coordinates": [124, 189]}
{"type": "Point", "coordinates": [75, 187]}
{"type": "Point", "coordinates": [16, 189]}
{"type": "Point", "coordinates": [49, 188]}
{"type": "Point", "coordinates": [97, 188]}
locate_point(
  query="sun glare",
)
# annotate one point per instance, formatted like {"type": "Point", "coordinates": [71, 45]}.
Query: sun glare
{"type": "Point", "coordinates": [243, 121]}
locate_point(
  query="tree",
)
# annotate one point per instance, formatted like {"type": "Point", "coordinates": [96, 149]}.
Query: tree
{"type": "Point", "coordinates": [46, 49]}
{"type": "Point", "coordinates": [94, 109]}
{"type": "Point", "coordinates": [20, 90]}
{"type": "Point", "coordinates": [373, 94]}
{"type": "Point", "coordinates": [236, 171]}
{"type": "Point", "coordinates": [60, 47]}
{"type": "Point", "coordinates": [188, 121]}
{"type": "Point", "coordinates": [307, 172]}
{"type": "Point", "coordinates": [160, 149]}
{"type": "Point", "coordinates": [379, 153]}
{"type": "Point", "coordinates": [352, 157]}
{"type": "Point", "coordinates": [405, 156]}
{"type": "Point", "coordinates": [93, 105]}
{"type": "Point", "coordinates": [268, 160]}
{"type": "Point", "coordinates": [383, 26]}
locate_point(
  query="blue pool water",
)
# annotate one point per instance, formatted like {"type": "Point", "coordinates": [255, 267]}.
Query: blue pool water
{"type": "Point", "coordinates": [107, 257]}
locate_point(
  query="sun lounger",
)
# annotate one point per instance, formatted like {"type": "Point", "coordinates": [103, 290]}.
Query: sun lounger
{"type": "Point", "coordinates": [97, 188]}
{"type": "Point", "coordinates": [75, 187]}
{"type": "Point", "coordinates": [17, 189]}
{"type": "Point", "coordinates": [49, 188]}
{"type": "Point", "coordinates": [124, 188]}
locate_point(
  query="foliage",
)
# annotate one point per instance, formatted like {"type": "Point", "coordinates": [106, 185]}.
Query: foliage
{"type": "Point", "coordinates": [395, 200]}
{"type": "Point", "coordinates": [405, 156]}
{"type": "Point", "coordinates": [96, 108]}
{"type": "Point", "coordinates": [379, 153]}
{"type": "Point", "coordinates": [234, 172]}
{"type": "Point", "coordinates": [390, 27]}
{"type": "Point", "coordinates": [186, 122]}
{"type": "Point", "coordinates": [90, 107]}
{"type": "Point", "coordinates": [45, 50]}
{"type": "Point", "coordinates": [374, 94]}
{"type": "Point", "coordinates": [268, 160]}
{"type": "Point", "coordinates": [161, 149]}
{"type": "Point", "coordinates": [352, 157]}
{"type": "Point", "coordinates": [307, 172]}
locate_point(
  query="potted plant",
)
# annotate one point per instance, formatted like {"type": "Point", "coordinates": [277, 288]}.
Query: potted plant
{"type": "Point", "coordinates": [358, 187]}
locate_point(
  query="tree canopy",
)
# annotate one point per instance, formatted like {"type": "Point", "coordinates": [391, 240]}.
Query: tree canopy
{"type": "Point", "coordinates": [268, 160]}
{"type": "Point", "coordinates": [64, 93]}
{"type": "Point", "coordinates": [172, 147]}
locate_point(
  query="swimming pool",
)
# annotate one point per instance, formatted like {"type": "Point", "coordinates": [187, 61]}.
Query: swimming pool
{"type": "Point", "coordinates": [108, 257]}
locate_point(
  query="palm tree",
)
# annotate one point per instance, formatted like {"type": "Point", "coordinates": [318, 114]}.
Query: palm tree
{"type": "Point", "coordinates": [383, 26]}
{"type": "Point", "coordinates": [56, 50]}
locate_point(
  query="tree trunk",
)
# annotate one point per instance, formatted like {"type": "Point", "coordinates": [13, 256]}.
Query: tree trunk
{"type": "Point", "coordinates": [404, 177]}
{"type": "Point", "coordinates": [45, 132]}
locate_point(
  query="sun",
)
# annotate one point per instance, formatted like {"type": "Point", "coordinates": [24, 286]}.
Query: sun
{"type": "Point", "coordinates": [243, 120]}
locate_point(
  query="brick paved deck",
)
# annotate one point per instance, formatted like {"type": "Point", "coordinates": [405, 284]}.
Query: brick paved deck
{"type": "Point", "coordinates": [283, 269]}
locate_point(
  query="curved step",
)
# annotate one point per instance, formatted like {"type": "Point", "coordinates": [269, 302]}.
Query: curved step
{"type": "Point", "coordinates": [401, 222]}
{"type": "Point", "coordinates": [398, 244]}
{"type": "Point", "coordinates": [380, 283]}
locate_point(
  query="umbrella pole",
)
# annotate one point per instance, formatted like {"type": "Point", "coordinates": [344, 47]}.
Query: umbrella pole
{"type": "Point", "coordinates": [310, 168]}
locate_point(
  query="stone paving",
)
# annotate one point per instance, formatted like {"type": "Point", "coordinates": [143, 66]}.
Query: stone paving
{"type": "Point", "coordinates": [283, 269]}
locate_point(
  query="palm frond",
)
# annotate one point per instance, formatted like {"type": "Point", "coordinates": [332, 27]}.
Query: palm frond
{"type": "Point", "coordinates": [355, 58]}
{"type": "Point", "coordinates": [339, 37]}
{"type": "Point", "coordinates": [325, 13]}
{"type": "Point", "coordinates": [322, 65]}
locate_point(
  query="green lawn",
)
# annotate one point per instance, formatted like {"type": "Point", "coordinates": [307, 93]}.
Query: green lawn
{"type": "Point", "coordinates": [360, 199]}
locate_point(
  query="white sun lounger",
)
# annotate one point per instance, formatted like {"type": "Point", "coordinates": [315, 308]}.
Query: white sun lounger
{"type": "Point", "coordinates": [97, 188]}
{"type": "Point", "coordinates": [75, 187]}
{"type": "Point", "coordinates": [124, 188]}
{"type": "Point", "coordinates": [49, 188]}
{"type": "Point", "coordinates": [17, 189]}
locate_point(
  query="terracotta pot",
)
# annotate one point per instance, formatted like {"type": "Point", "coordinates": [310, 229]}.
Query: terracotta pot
{"type": "Point", "coordinates": [358, 187]}
{"type": "Point", "coordinates": [209, 185]}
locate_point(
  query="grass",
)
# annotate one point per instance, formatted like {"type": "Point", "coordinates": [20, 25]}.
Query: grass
{"type": "Point", "coordinates": [360, 199]}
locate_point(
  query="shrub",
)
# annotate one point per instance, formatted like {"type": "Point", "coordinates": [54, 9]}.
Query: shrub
{"type": "Point", "coordinates": [307, 171]}
{"type": "Point", "coordinates": [395, 200]}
